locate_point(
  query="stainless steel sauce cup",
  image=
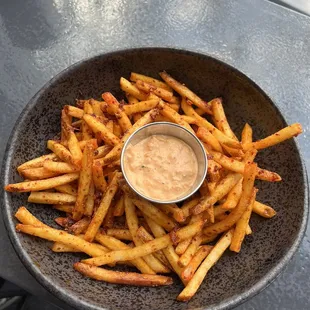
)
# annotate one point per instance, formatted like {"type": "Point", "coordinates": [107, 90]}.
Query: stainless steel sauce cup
{"type": "Point", "coordinates": [177, 131]}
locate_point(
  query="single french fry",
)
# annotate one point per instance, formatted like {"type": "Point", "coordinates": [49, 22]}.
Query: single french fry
{"type": "Point", "coordinates": [141, 106]}
{"type": "Point", "coordinates": [116, 151]}
{"type": "Point", "coordinates": [90, 201]}
{"type": "Point", "coordinates": [133, 224]}
{"type": "Point", "coordinates": [247, 134]}
{"type": "Point", "coordinates": [39, 185]}
{"type": "Point", "coordinates": [117, 277]}
{"type": "Point", "coordinates": [121, 116]}
{"type": "Point", "coordinates": [115, 244]}
{"type": "Point", "coordinates": [25, 217]}
{"type": "Point", "coordinates": [236, 213]}
{"type": "Point", "coordinates": [60, 151]}
{"type": "Point", "coordinates": [60, 167]}
{"type": "Point", "coordinates": [64, 208]}
{"type": "Point", "coordinates": [59, 247]}
{"type": "Point", "coordinates": [190, 251]}
{"type": "Point", "coordinates": [284, 134]}
{"type": "Point", "coordinates": [172, 210]}
{"type": "Point", "coordinates": [241, 226]}
{"type": "Point", "coordinates": [80, 226]}
{"type": "Point", "coordinates": [73, 111]}
{"type": "Point", "coordinates": [222, 189]}
{"type": "Point", "coordinates": [84, 180]}
{"type": "Point", "coordinates": [102, 209]}
{"type": "Point", "coordinates": [220, 119]}
{"type": "Point", "coordinates": [182, 246]}
{"type": "Point", "coordinates": [232, 151]}
{"type": "Point", "coordinates": [214, 255]}
{"type": "Point", "coordinates": [98, 177]}
{"type": "Point", "coordinates": [74, 147]}
{"type": "Point", "coordinates": [158, 91]}
{"type": "Point", "coordinates": [134, 77]}
{"type": "Point", "coordinates": [102, 151]}
{"type": "Point", "coordinates": [110, 126]}
{"type": "Point", "coordinates": [119, 233]}
{"type": "Point", "coordinates": [233, 197]}
{"type": "Point", "coordinates": [206, 136]}
{"type": "Point", "coordinates": [51, 198]}
{"type": "Point", "coordinates": [96, 105]}
{"type": "Point", "coordinates": [151, 211]}
{"type": "Point", "coordinates": [52, 234]}
{"type": "Point", "coordinates": [119, 207]}
{"type": "Point", "coordinates": [197, 259]}
{"type": "Point", "coordinates": [36, 162]}
{"type": "Point", "coordinates": [263, 210]}
{"type": "Point", "coordinates": [202, 122]}
{"type": "Point", "coordinates": [100, 129]}
{"type": "Point", "coordinates": [238, 166]}
{"type": "Point", "coordinates": [39, 173]}
{"type": "Point", "coordinates": [185, 92]}
{"type": "Point", "coordinates": [66, 189]}
{"type": "Point", "coordinates": [127, 87]}
{"type": "Point", "coordinates": [109, 218]}
{"type": "Point", "coordinates": [165, 110]}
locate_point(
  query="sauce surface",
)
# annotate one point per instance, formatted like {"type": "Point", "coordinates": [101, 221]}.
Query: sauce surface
{"type": "Point", "coordinates": [161, 167]}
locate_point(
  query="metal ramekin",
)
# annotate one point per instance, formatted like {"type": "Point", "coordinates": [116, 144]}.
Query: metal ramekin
{"type": "Point", "coordinates": [177, 131]}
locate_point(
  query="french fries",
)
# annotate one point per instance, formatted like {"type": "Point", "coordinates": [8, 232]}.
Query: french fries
{"type": "Point", "coordinates": [108, 222]}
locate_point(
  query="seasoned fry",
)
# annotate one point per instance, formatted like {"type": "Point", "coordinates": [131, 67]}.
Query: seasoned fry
{"type": "Point", "coordinates": [247, 134]}
{"type": "Point", "coordinates": [215, 254]}
{"type": "Point", "coordinates": [100, 129]}
{"type": "Point", "coordinates": [67, 189]}
{"type": "Point", "coordinates": [234, 216]}
{"type": "Point", "coordinates": [73, 111]}
{"type": "Point", "coordinates": [190, 251]}
{"type": "Point", "coordinates": [60, 151]}
{"type": "Point", "coordinates": [38, 173]}
{"type": "Point", "coordinates": [80, 226]}
{"type": "Point", "coordinates": [276, 138]}
{"type": "Point", "coordinates": [117, 277]}
{"type": "Point", "coordinates": [102, 209]}
{"type": "Point", "coordinates": [182, 246]}
{"type": "Point", "coordinates": [158, 91]}
{"type": "Point", "coordinates": [51, 198]}
{"type": "Point", "coordinates": [171, 209]}
{"type": "Point", "coordinates": [102, 151]}
{"type": "Point", "coordinates": [90, 201]}
{"type": "Point", "coordinates": [141, 106]}
{"type": "Point", "coordinates": [65, 208]}
{"type": "Point", "coordinates": [74, 147]}
{"type": "Point", "coordinates": [60, 167]}
{"type": "Point", "coordinates": [233, 197]}
{"type": "Point", "coordinates": [185, 92]}
{"type": "Point", "coordinates": [25, 217]}
{"type": "Point", "coordinates": [199, 256]}
{"type": "Point", "coordinates": [188, 205]}
{"type": "Point", "coordinates": [118, 233]}
{"type": "Point", "coordinates": [263, 210]}
{"type": "Point", "coordinates": [119, 207]}
{"type": "Point", "coordinates": [84, 180]}
{"type": "Point", "coordinates": [206, 136]}
{"type": "Point", "coordinates": [98, 177]}
{"type": "Point", "coordinates": [36, 162]}
{"type": "Point", "coordinates": [241, 226]}
{"type": "Point", "coordinates": [220, 119]}
{"type": "Point", "coordinates": [127, 87]}
{"type": "Point", "coordinates": [40, 185]}
{"type": "Point", "coordinates": [134, 77]}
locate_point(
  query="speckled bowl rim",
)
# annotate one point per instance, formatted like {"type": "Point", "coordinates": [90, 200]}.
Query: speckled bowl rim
{"type": "Point", "coordinates": [69, 297]}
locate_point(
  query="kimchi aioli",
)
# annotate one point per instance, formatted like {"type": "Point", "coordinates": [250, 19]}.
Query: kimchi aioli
{"type": "Point", "coordinates": [161, 167]}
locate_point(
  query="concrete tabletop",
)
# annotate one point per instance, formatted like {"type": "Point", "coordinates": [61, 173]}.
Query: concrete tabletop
{"type": "Point", "coordinates": [269, 43]}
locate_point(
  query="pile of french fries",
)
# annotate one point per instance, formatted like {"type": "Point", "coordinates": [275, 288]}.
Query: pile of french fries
{"type": "Point", "coordinates": [104, 219]}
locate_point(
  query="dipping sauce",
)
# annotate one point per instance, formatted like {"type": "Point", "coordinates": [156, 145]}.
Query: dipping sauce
{"type": "Point", "coordinates": [161, 167]}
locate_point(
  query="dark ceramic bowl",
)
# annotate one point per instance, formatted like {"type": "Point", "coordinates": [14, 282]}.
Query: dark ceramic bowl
{"type": "Point", "coordinates": [235, 277]}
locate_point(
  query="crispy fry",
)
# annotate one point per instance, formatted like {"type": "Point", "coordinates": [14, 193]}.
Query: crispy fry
{"type": "Point", "coordinates": [84, 180]}
{"type": "Point", "coordinates": [52, 234]}
{"type": "Point", "coordinates": [51, 198]}
{"type": "Point", "coordinates": [185, 92]}
{"type": "Point", "coordinates": [119, 207]}
{"type": "Point", "coordinates": [102, 151]}
{"type": "Point", "coordinates": [214, 255]}
{"type": "Point", "coordinates": [278, 137]}
{"type": "Point", "coordinates": [100, 129]}
{"type": "Point", "coordinates": [263, 210]}
{"type": "Point", "coordinates": [40, 185]}
{"type": "Point", "coordinates": [98, 177]}
{"type": "Point", "coordinates": [172, 210]}
{"type": "Point", "coordinates": [220, 119]}
{"type": "Point", "coordinates": [134, 77]}
{"type": "Point", "coordinates": [80, 226]}
{"type": "Point", "coordinates": [90, 201]}
{"type": "Point", "coordinates": [25, 217]}
{"type": "Point", "coordinates": [118, 233]}
{"type": "Point", "coordinates": [182, 246]}
{"type": "Point", "coordinates": [241, 226]}
{"type": "Point", "coordinates": [238, 166]}
{"type": "Point", "coordinates": [206, 136]}
{"type": "Point", "coordinates": [67, 189]}
{"type": "Point", "coordinates": [127, 87]}
{"type": "Point", "coordinates": [65, 208]}
{"type": "Point", "coordinates": [117, 277]}
{"type": "Point", "coordinates": [158, 91]}
{"type": "Point", "coordinates": [96, 105]}
{"type": "Point", "coordinates": [188, 205]}
{"type": "Point", "coordinates": [74, 147]}
{"type": "Point", "coordinates": [73, 111]}
{"type": "Point", "coordinates": [141, 106]}
{"type": "Point", "coordinates": [36, 162]}
{"type": "Point", "coordinates": [190, 251]}
{"type": "Point", "coordinates": [247, 134]}
{"type": "Point", "coordinates": [60, 151]}
{"type": "Point", "coordinates": [233, 196]}
{"type": "Point", "coordinates": [234, 216]}
{"type": "Point", "coordinates": [59, 167]}
{"type": "Point", "coordinates": [199, 256]}
{"type": "Point", "coordinates": [102, 209]}
{"type": "Point", "coordinates": [39, 173]}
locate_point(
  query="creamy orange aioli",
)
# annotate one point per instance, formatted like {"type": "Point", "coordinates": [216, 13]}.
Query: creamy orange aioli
{"type": "Point", "coordinates": [161, 167]}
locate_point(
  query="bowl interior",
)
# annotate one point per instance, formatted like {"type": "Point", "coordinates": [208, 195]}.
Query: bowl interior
{"type": "Point", "coordinates": [234, 277]}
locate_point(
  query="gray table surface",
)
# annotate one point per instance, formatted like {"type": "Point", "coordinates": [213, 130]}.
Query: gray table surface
{"type": "Point", "coordinates": [269, 43]}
